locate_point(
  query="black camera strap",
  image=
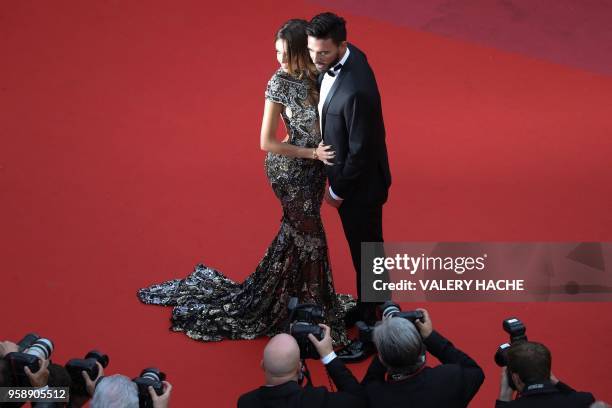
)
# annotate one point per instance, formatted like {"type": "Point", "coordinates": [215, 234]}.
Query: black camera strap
{"type": "Point", "coordinates": [306, 374]}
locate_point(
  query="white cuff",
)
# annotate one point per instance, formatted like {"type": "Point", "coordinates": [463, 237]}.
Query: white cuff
{"type": "Point", "coordinates": [328, 358]}
{"type": "Point", "coordinates": [334, 196]}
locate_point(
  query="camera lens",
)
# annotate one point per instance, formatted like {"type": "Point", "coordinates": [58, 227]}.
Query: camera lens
{"type": "Point", "coordinates": [390, 311]}
{"type": "Point", "coordinates": [41, 348]}
{"type": "Point", "coordinates": [153, 374]}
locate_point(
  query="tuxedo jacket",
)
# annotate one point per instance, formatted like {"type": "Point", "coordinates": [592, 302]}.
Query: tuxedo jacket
{"type": "Point", "coordinates": [350, 394]}
{"type": "Point", "coordinates": [352, 122]}
{"type": "Point", "coordinates": [452, 384]}
{"type": "Point", "coordinates": [556, 396]}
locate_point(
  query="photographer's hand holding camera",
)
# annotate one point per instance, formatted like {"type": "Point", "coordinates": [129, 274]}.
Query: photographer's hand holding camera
{"type": "Point", "coordinates": [399, 376]}
{"type": "Point", "coordinates": [283, 372]}
{"type": "Point", "coordinates": [38, 378]}
{"type": "Point", "coordinates": [161, 401]}
{"type": "Point", "coordinates": [78, 400]}
{"type": "Point", "coordinates": [529, 379]}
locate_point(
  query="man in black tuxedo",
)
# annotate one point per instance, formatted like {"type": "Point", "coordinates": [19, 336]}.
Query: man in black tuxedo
{"type": "Point", "coordinates": [398, 376]}
{"type": "Point", "coordinates": [283, 368]}
{"type": "Point", "coordinates": [352, 123]}
{"type": "Point", "coordinates": [529, 367]}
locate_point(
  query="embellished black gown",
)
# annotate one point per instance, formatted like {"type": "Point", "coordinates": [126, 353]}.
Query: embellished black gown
{"type": "Point", "coordinates": [209, 306]}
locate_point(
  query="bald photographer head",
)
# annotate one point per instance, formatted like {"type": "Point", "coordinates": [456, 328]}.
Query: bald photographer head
{"type": "Point", "coordinates": [281, 360]}
{"type": "Point", "coordinates": [284, 369]}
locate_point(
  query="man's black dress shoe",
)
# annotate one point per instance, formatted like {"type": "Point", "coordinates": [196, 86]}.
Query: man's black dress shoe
{"type": "Point", "coordinates": [356, 351]}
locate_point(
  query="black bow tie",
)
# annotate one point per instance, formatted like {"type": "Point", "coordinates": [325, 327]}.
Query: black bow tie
{"type": "Point", "coordinates": [336, 68]}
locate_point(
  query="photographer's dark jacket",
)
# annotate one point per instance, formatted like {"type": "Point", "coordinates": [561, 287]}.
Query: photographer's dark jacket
{"type": "Point", "coordinates": [291, 394]}
{"type": "Point", "coordinates": [548, 395]}
{"type": "Point", "coordinates": [450, 385]}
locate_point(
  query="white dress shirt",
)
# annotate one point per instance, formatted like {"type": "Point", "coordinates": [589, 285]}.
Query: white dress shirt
{"type": "Point", "coordinates": [326, 85]}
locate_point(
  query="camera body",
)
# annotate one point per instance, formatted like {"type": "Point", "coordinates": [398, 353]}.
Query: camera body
{"type": "Point", "coordinates": [149, 377]}
{"type": "Point", "coordinates": [75, 366]}
{"type": "Point", "coordinates": [31, 348]}
{"type": "Point", "coordinates": [304, 319]}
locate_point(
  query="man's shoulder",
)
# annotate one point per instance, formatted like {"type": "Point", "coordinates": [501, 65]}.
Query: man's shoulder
{"type": "Point", "coordinates": [582, 397]}
{"type": "Point", "coordinates": [356, 51]}
{"type": "Point", "coordinates": [260, 394]}
{"type": "Point", "coordinates": [455, 375]}
{"type": "Point", "coordinates": [561, 400]}
{"type": "Point", "coordinates": [445, 370]}
{"type": "Point", "coordinates": [248, 399]}
{"type": "Point", "coordinates": [257, 396]}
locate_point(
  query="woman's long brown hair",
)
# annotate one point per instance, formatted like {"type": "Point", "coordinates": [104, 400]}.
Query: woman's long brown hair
{"type": "Point", "coordinates": [293, 32]}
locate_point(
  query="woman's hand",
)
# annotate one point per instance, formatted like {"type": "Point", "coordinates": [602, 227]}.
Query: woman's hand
{"type": "Point", "coordinates": [325, 154]}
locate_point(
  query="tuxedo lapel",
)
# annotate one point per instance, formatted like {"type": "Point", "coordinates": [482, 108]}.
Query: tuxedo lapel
{"type": "Point", "coordinates": [346, 68]}
{"type": "Point", "coordinates": [330, 96]}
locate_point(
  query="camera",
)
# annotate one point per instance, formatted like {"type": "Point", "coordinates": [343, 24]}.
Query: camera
{"type": "Point", "coordinates": [304, 320]}
{"type": "Point", "coordinates": [388, 309]}
{"type": "Point", "coordinates": [516, 330]}
{"type": "Point", "coordinates": [149, 377]}
{"type": "Point", "coordinates": [391, 309]}
{"type": "Point", "coordinates": [88, 364]}
{"type": "Point", "coordinates": [31, 348]}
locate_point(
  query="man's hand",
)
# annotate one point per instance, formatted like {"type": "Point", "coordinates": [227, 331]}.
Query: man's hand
{"type": "Point", "coordinates": [325, 153]}
{"type": "Point", "coordinates": [161, 401]}
{"type": "Point", "coordinates": [331, 201]}
{"type": "Point", "coordinates": [40, 377]}
{"type": "Point", "coordinates": [324, 347]}
{"type": "Point", "coordinates": [7, 347]}
{"type": "Point", "coordinates": [426, 327]}
{"type": "Point", "coordinates": [505, 392]}
{"type": "Point", "coordinates": [90, 385]}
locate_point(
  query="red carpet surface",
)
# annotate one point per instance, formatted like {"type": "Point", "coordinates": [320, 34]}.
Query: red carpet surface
{"type": "Point", "coordinates": [129, 152]}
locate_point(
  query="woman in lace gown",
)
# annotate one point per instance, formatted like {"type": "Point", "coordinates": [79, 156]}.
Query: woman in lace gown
{"type": "Point", "coordinates": [209, 306]}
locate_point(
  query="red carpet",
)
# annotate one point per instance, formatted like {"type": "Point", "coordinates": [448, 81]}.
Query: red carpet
{"type": "Point", "coordinates": [129, 153]}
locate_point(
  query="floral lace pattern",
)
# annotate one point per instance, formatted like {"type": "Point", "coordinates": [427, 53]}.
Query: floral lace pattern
{"type": "Point", "coordinates": [209, 306]}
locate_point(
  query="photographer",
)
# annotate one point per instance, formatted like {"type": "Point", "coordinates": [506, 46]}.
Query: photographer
{"type": "Point", "coordinates": [399, 376]}
{"type": "Point", "coordinates": [283, 370]}
{"type": "Point", "coordinates": [529, 368]}
{"type": "Point", "coordinates": [118, 391]}
{"type": "Point", "coordinates": [39, 379]}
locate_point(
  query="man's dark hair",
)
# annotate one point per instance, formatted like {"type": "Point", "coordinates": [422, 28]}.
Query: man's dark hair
{"type": "Point", "coordinates": [531, 361]}
{"type": "Point", "coordinates": [327, 25]}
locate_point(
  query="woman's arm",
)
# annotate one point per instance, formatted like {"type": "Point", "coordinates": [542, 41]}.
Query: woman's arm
{"type": "Point", "coordinates": [269, 143]}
